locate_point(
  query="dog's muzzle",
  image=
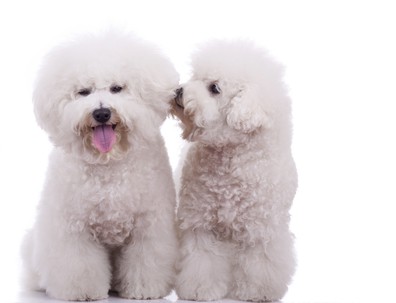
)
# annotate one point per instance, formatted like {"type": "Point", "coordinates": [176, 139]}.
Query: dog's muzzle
{"type": "Point", "coordinates": [103, 135]}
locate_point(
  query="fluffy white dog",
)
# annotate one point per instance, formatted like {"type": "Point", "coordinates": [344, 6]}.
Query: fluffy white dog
{"type": "Point", "coordinates": [106, 216]}
{"type": "Point", "coordinates": [238, 179]}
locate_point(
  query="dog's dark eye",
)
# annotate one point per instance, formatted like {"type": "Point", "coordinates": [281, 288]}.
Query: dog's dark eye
{"type": "Point", "coordinates": [116, 89]}
{"type": "Point", "coordinates": [84, 92]}
{"type": "Point", "coordinates": [214, 89]}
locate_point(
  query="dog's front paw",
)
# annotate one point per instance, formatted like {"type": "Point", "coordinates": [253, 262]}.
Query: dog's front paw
{"type": "Point", "coordinates": [143, 291]}
{"type": "Point", "coordinates": [86, 291]}
{"type": "Point", "coordinates": [79, 284]}
{"type": "Point", "coordinates": [257, 293]}
{"type": "Point", "coordinates": [201, 290]}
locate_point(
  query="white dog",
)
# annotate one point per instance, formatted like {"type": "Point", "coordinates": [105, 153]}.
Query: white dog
{"type": "Point", "coordinates": [106, 219]}
{"type": "Point", "coordinates": [238, 179]}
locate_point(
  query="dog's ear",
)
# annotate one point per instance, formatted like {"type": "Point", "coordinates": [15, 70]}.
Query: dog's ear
{"type": "Point", "coordinates": [157, 85]}
{"type": "Point", "coordinates": [246, 112]}
{"type": "Point", "coordinates": [159, 98]}
{"type": "Point", "coordinates": [46, 105]}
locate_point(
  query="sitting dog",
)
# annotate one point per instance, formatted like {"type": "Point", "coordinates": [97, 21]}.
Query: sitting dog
{"type": "Point", "coordinates": [106, 219]}
{"type": "Point", "coordinates": [238, 178]}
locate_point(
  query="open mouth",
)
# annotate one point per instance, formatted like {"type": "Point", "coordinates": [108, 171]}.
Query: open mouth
{"type": "Point", "coordinates": [104, 137]}
{"type": "Point", "coordinates": [113, 126]}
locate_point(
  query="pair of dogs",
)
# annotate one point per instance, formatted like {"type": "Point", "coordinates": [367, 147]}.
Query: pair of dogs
{"type": "Point", "coordinates": [106, 219]}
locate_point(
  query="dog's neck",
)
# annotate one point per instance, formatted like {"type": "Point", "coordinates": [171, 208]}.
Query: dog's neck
{"type": "Point", "coordinates": [232, 150]}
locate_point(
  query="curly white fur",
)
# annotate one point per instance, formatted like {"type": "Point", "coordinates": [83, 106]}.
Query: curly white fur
{"type": "Point", "coordinates": [106, 216]}
{"type": "Point", "coordinates": [238, 179]}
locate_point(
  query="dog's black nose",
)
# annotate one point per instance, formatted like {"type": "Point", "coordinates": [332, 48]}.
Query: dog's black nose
{"type": "Point", "coordinates": [179, 92]}
{"type": "Point", "coordinates": [102, 115]}
{"type": "Point", "coordinates": [179, 97]}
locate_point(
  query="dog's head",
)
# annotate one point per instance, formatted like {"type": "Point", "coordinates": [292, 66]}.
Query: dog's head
{"type": "Point", "coordinates": [99, 95]}
{"type": "Point", "coordinates": [235, 92]}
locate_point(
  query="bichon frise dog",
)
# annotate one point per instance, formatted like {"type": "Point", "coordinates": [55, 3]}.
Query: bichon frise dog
{"type": "Point", "coordinates": [239, 178]}
{"type": "Point", "coordinates": [106, 219]}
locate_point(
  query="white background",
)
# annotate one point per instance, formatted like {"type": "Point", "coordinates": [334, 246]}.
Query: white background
{"type": "Point", "coordinates": [341, 71]}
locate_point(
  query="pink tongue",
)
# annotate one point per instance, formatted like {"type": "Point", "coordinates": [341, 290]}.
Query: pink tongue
{"type": "Point", "coordinates": [104, 138]}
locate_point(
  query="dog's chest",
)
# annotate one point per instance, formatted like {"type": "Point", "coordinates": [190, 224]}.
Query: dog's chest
{"type": "Point", "coordinates": [110, 222]}
{"type": "Point", "coordinates": [227, 206]}
{"type": "Point", "coordinates": [109, 207]}
{"type": "Point", "coordinates": [218, 197]}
